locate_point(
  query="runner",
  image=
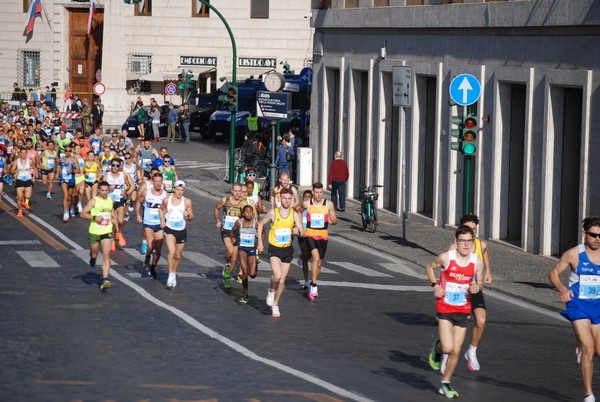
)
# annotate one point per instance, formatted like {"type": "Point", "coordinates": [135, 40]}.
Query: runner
{"type": "Point", "coordinates": [120, 184]}
{"type": "Point", "coordinates": [105, 158]}
{"type": "Point", "coordinates": [480, 249]}
{"type": "Point", "coordinates": [169, 172]}
{"type": "Point", "coordinates": [305, 255]}
{"type": "Point", "coordinates": [582, 297]}
{"type": "Point", "coordinates": [461, 276]}
{"type": "Point", "coordinates": [91, 171]}
{"type": "Point", "coordinates": [79, 177]}
{"type": "Point", "coordinates": [284, 222]}
{"type": "Point", "coordinates": [245, 230]}
{"type": "Point", "coordinates": [48, 157]}
{"type": "Point", "coordinates": [152, 198]}
{"type": "Point", "coordinates": [284, 182]}
{"type": "Point", "coordinates": [320, 213]}
{"type": "Point", "coordinates": [68, 169]}
{"type": "Point", "coordinates": [22, 169]}
{"type": "Point", "coordinates": [176, 209]}
{"type": "Point", "coordinates": [146, 155]}
{"type": "Point", "coordinates": [101, 214]}
{"type": "Point", "coordinates": [232, 210]}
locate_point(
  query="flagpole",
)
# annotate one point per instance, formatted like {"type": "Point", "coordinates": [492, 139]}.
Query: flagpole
{"type": "Point", "coordinates": [46, 14]}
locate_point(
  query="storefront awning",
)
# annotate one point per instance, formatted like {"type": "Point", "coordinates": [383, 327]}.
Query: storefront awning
{"type": "Point", "coordinates": [197, 70]}
{"type": "Point", "coordinates": [243, 73]}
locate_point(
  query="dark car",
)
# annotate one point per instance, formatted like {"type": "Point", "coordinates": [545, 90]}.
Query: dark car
{"type": "Point", "coordinates": [131, 123]}
{"type": "Point", "coordinates": [202, 106]}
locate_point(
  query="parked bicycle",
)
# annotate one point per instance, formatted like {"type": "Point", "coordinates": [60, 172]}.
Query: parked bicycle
{"type": "Point", "coordinates": [368, 209]}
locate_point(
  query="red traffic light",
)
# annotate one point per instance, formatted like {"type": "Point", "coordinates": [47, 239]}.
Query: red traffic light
{"type": "Point", "coordinates": [470, 122]}
{"type": "Point", "coordinates": [232, 91]}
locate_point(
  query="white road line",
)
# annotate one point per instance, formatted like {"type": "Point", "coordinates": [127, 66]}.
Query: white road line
{"type": "Point", "coordinates": [136, 275]}
{"type": "Point", "coordinates": [361, 270]}
{"type": "Point", "coordinates": [403, 269]}
{"type": "Point", "coordinates": [38, 259]}
{"type": "Point", "coordinates": [215, 335]}
{"type": "Point", "coordinates": [18, 242]}
{"type": "Point", "coordinates": [138, 256]}
{"type": "Point", "coordinates": [85, 256]}
{"type": "Point", "coordinates": [202, 260]}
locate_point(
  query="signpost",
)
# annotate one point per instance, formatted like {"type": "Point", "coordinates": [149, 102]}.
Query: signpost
{"type": "Point", "coordinates": [465, 90]}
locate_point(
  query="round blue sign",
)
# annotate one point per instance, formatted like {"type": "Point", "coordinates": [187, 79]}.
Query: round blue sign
{"type": "Point", "coordinates": [465, 89]}
{"type": "Point", "coordinates": [170, 89]}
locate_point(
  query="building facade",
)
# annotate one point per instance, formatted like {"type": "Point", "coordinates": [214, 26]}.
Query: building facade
{"type": "Point", "coordinates": [137, 49]}
{"type": "Point", "coordinates": [538, 63]}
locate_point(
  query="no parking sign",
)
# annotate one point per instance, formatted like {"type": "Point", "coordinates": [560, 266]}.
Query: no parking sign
{"type": "Point", "coordinates": [170, 89]}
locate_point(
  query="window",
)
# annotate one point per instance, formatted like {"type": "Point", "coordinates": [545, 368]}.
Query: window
{"type": "Point", "coordinates": [200, 9]}
{"type": "Point", "coordinates": [140, 63]}
{"type": "Point", "coordinates": [351, 3]}
{"type": "Point", "coordinates": [144, 8]}
{"type": "Point", "coordinates": [259, 8]}
{"type": "Point", "coordinates": [28, 67]}
{"type": "Point", "coordinates": [381, 3]}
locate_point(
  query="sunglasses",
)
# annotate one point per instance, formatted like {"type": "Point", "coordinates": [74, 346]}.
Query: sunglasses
{"type": "Point", "coordinates": [115, 136]}
{"type": "Point", "coordinates": [251, 174]}
{"type": "Point", "coordinates": [127, 157]}
{"type": "Point", "coordinates": [115, 165]}
{"type": "Point", "coordinates": [594, 235]}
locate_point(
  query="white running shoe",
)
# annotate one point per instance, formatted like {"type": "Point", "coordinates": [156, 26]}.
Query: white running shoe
{"type": "Point", "coordinates": [275, 312]}
{"type": "Point", "coordinates": [270, 298]}
{"type": "Point", "coordinates": [314, 293]}
{"type": "Point", "coordinates": [471, 357]}
{"type": "Point", "coordinates": [79, 207]}
{"type": "Point", "coordinates": [66, 216]}
{"type": "Point", "coordinates": [590, 398]}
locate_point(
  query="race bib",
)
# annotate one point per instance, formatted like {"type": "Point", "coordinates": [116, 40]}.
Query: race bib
{"type": "Point", "coordinates": [24, 175]}
{"type": "Point", "coordinates": [229, 222]}
{"type": "Point", "coordinates": [153, 215]}
{"type": "Point", "coordinates": [283, 236]}
{"type": "Point", "coordinates": [456, 293]}
{"type": "Point", "coordinates": [168, 185]}
{"type": "Point", "coordinates": [90, 177]}
{"type": "Point", "coordinates": [589, 287]}
{"type": "Point", "coordinates": [177, 222]}
{"type": "Point", "coordinates": [317, 221]}
{"type": "Point", "coordinates": [105, 219]}
{"type": "Point", "coordinates": [51, 163]}
{"type": "Point", "coordinates": [247, 240]}
{"type": "Point", "coordinates": [116, 194]}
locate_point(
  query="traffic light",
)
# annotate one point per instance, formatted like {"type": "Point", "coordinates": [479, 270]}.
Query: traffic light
{"type": "Point", "coordinates": [224, 94]}
{"type": "Point", "coordinates": [471, 128]}
{"type": "Point", "coordinates": [232, 98]}
{"type": "Point", "coordinates": [188, 80]}
{"type": "Point", "coordinates": [457, 133]}
{"type": "Point", "coordinates": [132, 1]}
{"type": "Point", "coordinates": [180, 82]}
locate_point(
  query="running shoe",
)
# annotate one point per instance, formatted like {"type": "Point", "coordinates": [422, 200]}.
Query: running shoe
{"type": "Point", "coordinates": [147, 264]}
{"type": "Point", "coordinates": [226, 273]}
{"type": "Point", "coordinates": [313, 293]}
{"type": "Point", "coordinates": [72, 211]}
{"type": "Point", "coordinates": [105, 284]}
{"type": "Point", "coordinates": [144, 247]}
{"type": "Point", "coordinates": [447, 390]}
{"type": "Point", "coordinates": [92, 262]}
{"type": "Point", "coordinates": [471, 357]}
{"type": "Point", "coordinates": [49, 196]}
{"type": "Point", "coordinates": [126, 217]}
{"type": "Point", "coordinates": [26, 204]}
{"type": "Point", "coordinates": [239, 278]}
{"type": "Point", "coordinates": [243, 299]}
{"type": "Point", "coordinates": [79, 207]}
{"type": "Point", "coordinates": [275, 312]}
{"type": "Point", "coordinates": [20, 212]}
{"type": "Point", "coordinates": [227, 283]}
{"type": "Point", "coordinates": [153, 271]}
{"type": "Point", "coordinates": [435, 357]}
{"type": "Point", "coordinates": [130, 207]}
{"type": "Point", "coordinates": [113, 246]}
{"type": "Point", "coordinates": [122, 242]}
{"type": "Point", "coordinates": [66, 216]}
{"type": "Point", "coordinates": [589, 398]}
{"type": "Point", "coordinates": [270, 298]}
{"type": "Point", "coordinates": [306, 285]}
{"type": "Point", "coordinates": [171, 283]}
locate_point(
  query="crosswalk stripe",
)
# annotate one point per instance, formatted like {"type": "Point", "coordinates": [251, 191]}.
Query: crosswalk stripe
{"type": "Point", "coordinates": [403, 269]}
{"type": "Point", "coordinates": [179, 275]}
{"type": "Point", "coordinates": [298, 263]}
{"type": "Point", "coordinates": [38, 259]}
{"type": "Point", "coordinates": [85, 256]}
{"type": "Point", "coordinates": [136, 254]}
{"type": "Point", "coordinates": [361, 270]}
{"type": "Point", "coordinates": [202, 260]}
{"type": "Point", "coordinates": [18, 242]}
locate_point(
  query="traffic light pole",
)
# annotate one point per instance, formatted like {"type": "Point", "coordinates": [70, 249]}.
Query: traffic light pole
{"type": "Point", "coordinates": [234, 81]}
{"type": "Point", "coordinates": [468, 176]}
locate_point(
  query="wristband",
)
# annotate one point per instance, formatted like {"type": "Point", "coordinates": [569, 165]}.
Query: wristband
{"type": "Point", "coordinates": [433, 284]}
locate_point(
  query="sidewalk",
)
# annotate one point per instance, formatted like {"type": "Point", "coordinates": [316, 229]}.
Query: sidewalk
{"type": "Point", "coordinates": [514, 272]}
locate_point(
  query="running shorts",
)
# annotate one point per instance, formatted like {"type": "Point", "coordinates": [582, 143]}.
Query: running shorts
{"type": "Point", "coordinates": [285, 254]}
{"type": "Point", "coordinates": [180, 235]}
{"type": "Point", "coordinates": [320, 245]}
{"type": "Point", "coordinates": [456, 319]}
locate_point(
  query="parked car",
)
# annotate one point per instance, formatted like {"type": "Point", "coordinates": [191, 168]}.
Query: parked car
{"type": "Point", "coordinates": [131, 123]}
{"type": "Point", "coordinates": [202, 106]}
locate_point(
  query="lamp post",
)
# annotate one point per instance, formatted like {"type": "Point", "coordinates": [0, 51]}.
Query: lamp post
{"type": "Point", "coordinates": [234, 81]}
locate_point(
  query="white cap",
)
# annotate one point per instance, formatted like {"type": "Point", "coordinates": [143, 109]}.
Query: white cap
{"type": "Point", "coordinates": [179, 183]}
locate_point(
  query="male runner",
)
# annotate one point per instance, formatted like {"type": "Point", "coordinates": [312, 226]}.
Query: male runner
{"type": "Point", "coordinates": [120, 185]}
{"type": "Point", "coordinates": [583, 297]}
{"type": "Point", "coordinates": [284, 222]}
{"type": "Point", "coordinates": [461, 276]}
{"type": "Point", "coordinates": [320, 213]}
{"type": "Point", "coordinates": [48, 158]}
{"type": "Point", "coordinates": [22, 169]}
{"type": "Point", "coordinates": [152, 198]}
{"type": "Point", "coordinates": [175, 210]}
{"type": "Point", "coordinates": [101, 213]}
{"type": "Point", "coordinates": [284, 182]}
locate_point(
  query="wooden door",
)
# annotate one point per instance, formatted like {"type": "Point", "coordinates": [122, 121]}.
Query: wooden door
{"type": "Point", "coordinates": [85, 54]}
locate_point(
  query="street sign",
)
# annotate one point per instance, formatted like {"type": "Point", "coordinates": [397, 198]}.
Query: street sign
{"type": "Point", "coordinates": [306, 75]}
{"type": "Point", "coordinates": [170, 89]}
{"type": "Point", "coordinates": [274, 105]}
{"type": "Point", "coordinates": [99, 88]}
{"type": "Point", "coordinates": [465, 89]}
{"type": "Point", "coordinates": [99, 75]}
{"type": "Point", "coordinates": [402, 83]}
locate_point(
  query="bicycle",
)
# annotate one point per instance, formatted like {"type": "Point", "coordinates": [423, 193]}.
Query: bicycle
{"type": "Point", "coordinates": [368, 209]}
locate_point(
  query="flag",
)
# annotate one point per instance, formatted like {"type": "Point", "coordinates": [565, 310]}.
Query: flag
{"type": "Point", "coordinates": [91, 14]}
{"type": "Point", "coordinates": [35, 10]}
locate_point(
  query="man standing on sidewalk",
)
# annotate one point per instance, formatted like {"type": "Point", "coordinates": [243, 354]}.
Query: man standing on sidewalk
{"type": "Point", "coordinates": [172, 122]}
{"type": "Point", "coordinates": [338, 176]}
{"type": "Point", "coordinates": [583, 296]}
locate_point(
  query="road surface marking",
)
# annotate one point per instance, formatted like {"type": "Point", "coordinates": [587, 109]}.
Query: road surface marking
{"type": "Point", "coordinates": [38, 259]}
{"type": "Point", "coordinates": [18, 242]}
{"type": "Point", "coordinates": [85, 256]}
{"type": "Point", "coordinates": [361, 270]}
{"type": "Point", "coordinates": [139, 256]}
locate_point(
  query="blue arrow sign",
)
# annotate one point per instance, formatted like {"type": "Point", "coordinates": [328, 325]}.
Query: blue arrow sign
{"type": "Point", "coordinates": [465, 89]}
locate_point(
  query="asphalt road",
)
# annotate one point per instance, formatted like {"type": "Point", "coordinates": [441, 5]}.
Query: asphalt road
{"type": "Point", "coordinates": [366, 338]}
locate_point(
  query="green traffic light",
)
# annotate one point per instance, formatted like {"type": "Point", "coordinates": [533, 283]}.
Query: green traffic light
{"type": "Point", "coordinates": [469, 149]}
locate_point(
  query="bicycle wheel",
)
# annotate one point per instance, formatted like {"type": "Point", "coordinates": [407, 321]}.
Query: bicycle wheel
{"type": "Point", "coordinates": [373, 221]}
{"type": "Point", "coordinates": [364, 214]}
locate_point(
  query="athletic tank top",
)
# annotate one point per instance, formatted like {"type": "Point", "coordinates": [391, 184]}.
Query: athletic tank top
{"type": "Point", "coordinates": [103, 208]}
{"type": "Point", "coordinates": [455, 280]}
{"type": "Point", "coordinates": [152, 204]}
{"type": "Point", "coordinates": [174, 215]}
{"type": "Point", "coordinates": [146, 158]}
{"type": "Point", "coordinates": [585, 280]}
{"type": "Point", "coordinates": [280, 234]}
{"type": "Point", "coordinates": [248, 235]}
{"type": "Point", "coordinates": [90, 172]}
{"type": "Point", "coordinates": [105, 163]}
{"type": "Point", "coordinates": [119, 185]}
{"type": "Point", "coordinates": [169, 178]}
{"type": "Point", "coordinates": [67, 168]}
{"type": "Point", "coordinates": [49, 160]}
{"type": "Point", "coordinates": [317, 220]}
{"type": "Point", "coordinates": [231, 213]}
{"type": "Point", "coordinates": [131, 171]}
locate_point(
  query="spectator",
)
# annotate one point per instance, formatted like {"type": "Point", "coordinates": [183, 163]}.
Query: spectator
{"type": "Point", "coordinates": [53, 97]}
{"type": "Point", "coordinates": [338, 176]}
{"type": "Point", "coordinates": [285, 155]}
{"type": "Point", "coordinates": [97, 114]}
{"type": "Point", "coordinates": [48, 98]}
{"type": "Point", "coordinates": [172, 123]}
{"type": "Point", "coordinates": [155, 118]}
{"type": "Point", "coordinates": [86, 118]}
{"type": "Point", "coordinates": [141, 116]}
{"type": "Point", "coordinates": [185, 122]}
